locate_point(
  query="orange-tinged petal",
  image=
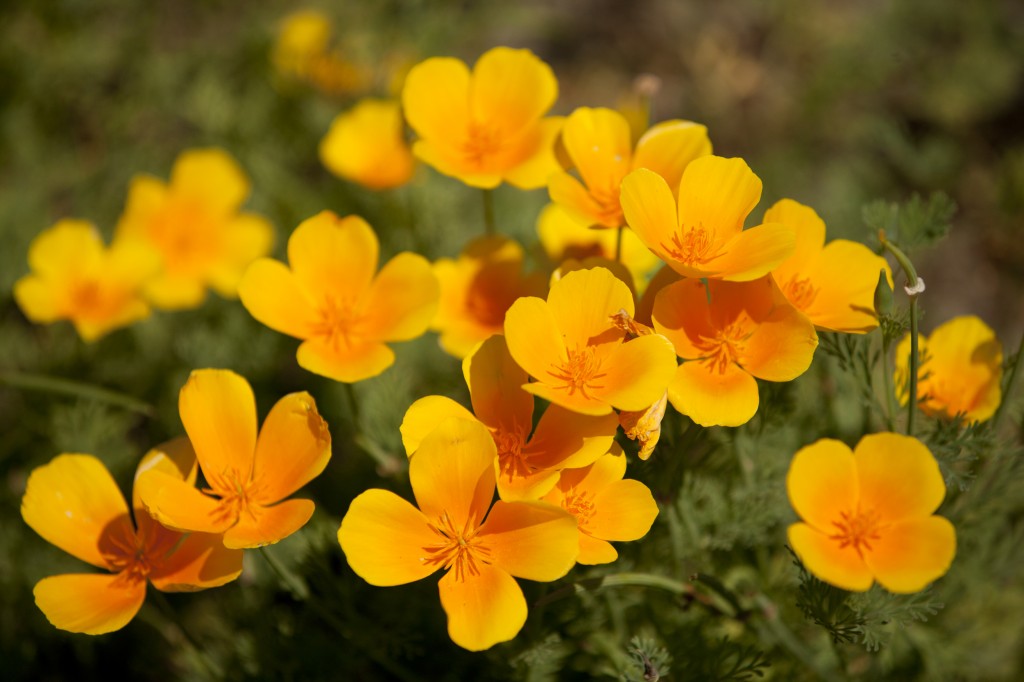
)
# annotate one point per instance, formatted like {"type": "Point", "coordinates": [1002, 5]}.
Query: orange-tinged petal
{"type": "Point", "coordinates": [598, 142]}
{"type": "Point", "coordinates": [271, 294]}
{"type": "Point", "coordinates": [93, 604]}
{"type": "Point", "coordinates": [910, 554]}
{"type": "Point", "coordinates": [424, 415]}
{"type": "Point", "coordinates": [402, 300]}
{"type": "Point", "coordinates": [74, 503]}
{"type": "Point", "coordinates": [515, 485]}
{"type": "Point", "coordinates": [713, 398]}
{"type": "Point", "coordinates": [68, 246]}
{"type": "Point", "coordinates": [259, 526]}
{"type": "Point", "coordinates": [650, 210]}
{"type": "Point", "coordinates": [510, 89]}
{"type": "Point", "coordinates": [180, 506]}
{"type": "Point", "coordinates": [531, 540]}
{"type": "Point", "coordinates": [452, 473]}
{"type": "Point", "coordinates": [623, 511]}
{"type": "Point", "coordinates": [199, 562]}
{"type": "Point", "coordinates": [594, 551]}
{"type": "Point", "coordinates": [578, 204]}
{"type": "Point", "coordinates": [484, 608]}
{"type": "Point", "coordinates": [822, 483]}
{"type": "Point", "coordinates": [843, 277]}
{"type": "Point", "coordinates": [718, 194]}
{"type": "Point", "coordinates": [445, 160]}
{"type": "Point", "coordinates": [533, 336]}
{"type": "Point", "coordinates": [899, 477]}
{"type": "Point", "coordinates": [597, 477]}
{"type": "Point", "coordinates": [384, 537]}
{"type": "Point", "coordinates": [582, 302]}
{"type": "Point", "coordinates": [333, 257]}
{"type": "Point", "coordinates": [218, 410]}
{"type": "Point", "coordinates": [344, 363]}
{"type": "Point", "coordinates": [752, 253]}
{"type": "Point", "coordinates": [435, 99]}
{"type": "Point", "coordinates": [782, 346]}
{"type": "Point", "coordinates": [682, 313]}
{"type": "Point", "coordinates": [540, 160]}
{"type": "Point", "coordinates": [294, 446]}
{"type": "Point", "coordinates": [175, 458]}
{"type": "Point", "coordinates": [824, 559]}
{"type": "Point", "coordinates": [494, 381]}
{"type": "Point", "coordinates": [584, 403]}
{"type": "Point", "coordinates": [963, 370]}
{"type": "Point", "coordinates": [645, 308]}
{"type": "Point", "coordinates": [567, 439]}
{"type": "Point", "coordinates": [366, 145]}
{"type": "Point", "coordinates": [637, 372]}
{"type": "Point", "coordinates": [809, 229]}
{"type": "Point", "coordinates": [210, 176]}
{"type": "Point", "coordinates": [668, 148]}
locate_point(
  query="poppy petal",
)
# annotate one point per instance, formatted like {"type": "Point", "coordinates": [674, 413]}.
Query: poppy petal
{"type": "Point", "coordinates": [718, 194]}
{"type": "Point", "coordinates": [199, 562]}
{"type": "Point", "coordinates": [402, 299]}
{"type": "Point", "coordinates": [822, 483]}
{"type": "Point", "coordinates": [567, 439]}
{"type": "Point", "coordinates": [494, 381]}
{"type": "Point", "coordinates": [650, 210]}
{"type": "Point", "coordinates": [271, 294]}
{"type": "Point", "coordinates": [531, 540]}
{"type": "Point", "coordinates": [540, 160]}
{"type": "Point", "coordinates": [825, 559]}
{"type": "Point", "coordinates": [210, 177]}
{"type": "Point", "coordinates": [484, 608]}
{"type": "Point", "coordinates": [218, 410]}
{"type": "Point", "coordinates": [294, 446]}
{"type": "Point", "coordinates": [180, 506]}
{"type": "Point", "coordinates": [424, 415]}
{"type": "Point", "coordinates": [711, 397]}
{"type": "Point", "coordinates": [910, 554]}
{"type": "Point", "coordinates": [594, 551]}
{"type": "Point", "coordinates": [899, 477]}
{"type": "Point", "coordinates": [636, 372]}
{"type": "Point", "coordinates": [93, 604]}
{"type": "Point", "coordinates": [510, 89]}
{"type": "Point", "coordinates": [435, 99]}
{"type": "Point", "coordinates": [344, 363]}
{"type": "Point", "coordinates": [258, 526]}
{"type": "Point", "coordinates": [332, 256]}
{"type": "Point", "coordinates": [668, 148]}
{"type": "Point", "coordinates": [623, 511]}
{"type": "Point", "coordinates": [533, 337]}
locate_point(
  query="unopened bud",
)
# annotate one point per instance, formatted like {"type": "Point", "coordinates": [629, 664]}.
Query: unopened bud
{"type": "Point", "coordinates": [883, 295]}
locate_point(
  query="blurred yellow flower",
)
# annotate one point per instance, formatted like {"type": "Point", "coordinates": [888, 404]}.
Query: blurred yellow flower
{"type": "Point", "coordinates": [700, 233]}
{"type": "Point", "coordinates": [867, 513]}
{"type": "Point", "coordinates": [961, 372]}
{"type": "Point", "coordinates": [598, 142]}
{"type": "Point", "coordinates": [486, 127]}
{"type": "Point", "coordinates": [577, 355]}
{"type": "Point", "coordinates": [74, 277]}
{"type": "Point", "coordinates": [833, 284]}
{"type": "Point", "coordinates": [303, 52]}
{"type": "Point", "coordinates": [529, 458]}
{"type": "Point", "coordinates": [248, 474]}
{"type": "Point", "coordinates": [74, 503]}
{"type": "Point", "coordinates": [195, 225]}
{"type": "Point", "coordinates": [366, 145]}
{"type": "Point", "coordinates": [606, 507]}
{"type": "Point", "coordinates": [333, 297]}
{"type": "Point", "coordinates": [477, 289]}
{"type": "Point", "coordinates": [482, 548]}
{"type": "Point", "coordinates": [727, 333]}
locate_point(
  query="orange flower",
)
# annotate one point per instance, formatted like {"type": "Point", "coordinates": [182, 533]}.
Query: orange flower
{"type": "Point", "coordinates": [598, 142]}
{"type": "Point", "coordinates": [486, 127]}
{"type": "Point", "coordinates": [833, 284]}
{"type": "Point", "coordinates": [701, 234]}
{"type": "Point", "coordinates": [333, 297]}
{"type": "Point", "coordinates": [477, 289]}
{"type": "Point", "coordinates": [247, 475]}
{"type": "Point", "coordinates": [961, 372]}
{"type": "Point", "coordinates": [564, 238]}
{"type": "Point", "coordinates": [727, 334]}
{"type": "Point", "coordinates": [75, 278]}
{"type": "Point", "coordinates": [605, 506]}
{"type": "Point", "coordinates": [195, 226]}
{"type": "Point", "coordinates": [74, 503]}
{"type": "Point", "coordinates": [571, 346]}
{"type": "Point", "coordinates": [527, 466]}
{"type": "Point", "coordinates": [867, 513]}
{"type": "Point", "coordinates": [366, 144]}
{"type": "Point", "coordinates": [388, 541]}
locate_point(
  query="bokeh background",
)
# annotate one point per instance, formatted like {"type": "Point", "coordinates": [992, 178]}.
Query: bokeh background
{"type": "Point", "coordinates": [835, 104]}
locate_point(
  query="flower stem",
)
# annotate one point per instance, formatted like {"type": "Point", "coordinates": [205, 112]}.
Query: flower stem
{"type": "Point", "coordinates": [1009, 384]}
{"type": "Point", "coordinates": [489, 228]}
{"type": "Point", "coordinates": [890, 393]}
{"type": "Point", "coordinates": [618, 244]}
{"type": "Point", "coordinates": [169, 614]}
{"type": "Point", "coordinates": [48, 384]}
{"type": "Point", "coordinates": [915, 285]}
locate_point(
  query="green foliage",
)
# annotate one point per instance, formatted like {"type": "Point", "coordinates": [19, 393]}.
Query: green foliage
{"type": "Point", "coordinates": [914, 224]}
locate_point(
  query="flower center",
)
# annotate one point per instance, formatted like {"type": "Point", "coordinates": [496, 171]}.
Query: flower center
{"type": "Point", "coordinates": [609, 207]}
{"type": "Point", "coordinates": [458, 549]}
{"type": "Point", "coordinates": [693, 245]}
{"type": "Point", "coordinates": [510, 453]}
{"type": "Point", "coordinates": [579, 504]}
{"type": "Point", "coordinates": [129, 558]}
{"type": "Point", "coordinates": [800, 292]}
{"type": "Point", "coordinates": [187, 236]}
{"type": "Point", "coordinates": [857, 529]}
{"type": "Point", "coordinates": [481, 144]}
{"type": "Point", "coordinates": [579, 372]}
{"type": "Point", "coordinates": [725, 348]}
{"type": "Point", "coordinates": [237, 496]}
{"type": "Point", "coordinates": [338, 321]}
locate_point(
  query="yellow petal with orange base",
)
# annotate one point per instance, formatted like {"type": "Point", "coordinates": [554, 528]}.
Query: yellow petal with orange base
{"type": "Point", "coordinates": [912, 553]}
{"type": "Point", "coordinates": [38, 299]}
{"type": "Point", "coordinates": [576, 401]}
{"type": "Point", "coordinates": [484, 608]}
{"type": "Point", "coordinates": [809, 230]}
{"type": "Point", "coordinates": [845, 274]}
{"type": "Point", "coordinates": [452, 473]}
{"type": "Point", "coordinates": [181, 506]}
{"type": "Point", "coordinates": [259, 526]}
{"type": "Point", "coordinates": [402, 299]}
{"type": "Point", "coordinates": [668, 148]}
{"type": "Point", "coordinates": [344, 363]}
{"type": "Point", "coordinates": [781, 347]}
{"type": "Point", "coordinates": [68, 246]}
{"type": "Point", "coordinates": [598, 142]}
{"type": "Point", "coordinates": [366, 145]}
{"type": "Point", "coordinates": [567, 439]}
{"type": "Point", "coordinates": [636, 373]}
{"type": "Point", "coordinates": [534, 337]}
{"type": "Point", "coordinates": [511, 89]}
{"type": "Point", "coordinates": [650, 210]}
{"type": "Point", "coordinates": [751, 253]}
{"type": "Point", "coordinates": [210, 177]}
{"type": "Point", "coordinates": [92, 604]}
{"type": "Point", "coordinates": [822, 483]}
{"type": "Point", "coordinates": [175, 458]}
{"type": "Point", "coordinates": [539, 159]}
{"type": "Point", "coordinates": [218, 409]}
{"type": "Point", "coordinates": [447, 159]}
{"type": "Point", "coordinates": [74, 503]}
{"type": "Point", "coordinates": [494, 381]}
{"type": "Point", "coordinates": [424, 415]}
{"type": "Point", "coordinates": [272, 294]}
{"type": "Point", "coordinates": [294, 446]}
{"type": "Point", "coordinates": [717, 194]}
{"type": "Point", "coordinates": [199, 562]}
{"type": "Point", "coordinates": [885, 463]}
{"type": "Point", "coordinates": [332, 256]}
{"type": "Point", "coordinates": [531, 540]}
{"type": "Point", "coordinates": [583, 300]}
{"type": "Point", "coordinates": [435, 100]}
{"type": "Point", "coordinates": [823, 557]}
{"type": "Point", "coordinates": [572, 197]}
{"type": "Point", "coordinates": [713, 398]}
{"type": "Point", "coordinates": [384, 539]}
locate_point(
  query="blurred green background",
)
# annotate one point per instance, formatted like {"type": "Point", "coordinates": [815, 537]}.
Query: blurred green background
{"type": "Point", "coordinates": [834, 104]}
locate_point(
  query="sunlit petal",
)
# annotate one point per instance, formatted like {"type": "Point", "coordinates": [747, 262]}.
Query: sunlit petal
{"type": "Point", "coordinates": [899, 477]}
{"type": "Point", "coordinates": [294, 446]}
{"type": "Point", "coordinates": [342, 362]}
{"type": "Point", "coordinates": [825, 559]}
{"type": "Point", "coordinates": [258, 526]}
{"type": "Point", "coordinates": [822, 483]}
{"type": "Point", "coordinates": [424, 415]}
{"type": "Point", "coordinates": [218, 410]}
{"type": "Point", "coordinates": [912, 553]}
{"type": "Point", "coordinates": [713, 398]}
{"type": "Point", "coordinates": [93, 604]}
{"type": "Point", "coordinates": [483, 608]}
{"type": "Point", "coordinates": [532, 540]}
{"type": "Point", "coordinates": [332, 256]}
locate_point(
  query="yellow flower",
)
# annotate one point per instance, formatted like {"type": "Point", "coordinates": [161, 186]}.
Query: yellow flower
{"type": "Point", "coordinates": [486, 127]}
{"type": "Point", "coordinates": [833, 284]}
{"type": "Point", "coordinates": [74, 503]}
{"type": "Point", "coordinates": [867, 513]}
{"type": "Point", "coordinates": [388, 541]}
{"type": "Point", "coordinates": [606, 507]}
{"type": "Point", "coordinates": [598, 142]}
{"type": "Point", "coordinates": [564, 238]}
{"type": "Point", "coordinates": [195, 226]}
{"type": "Point", "coordinates": [577, 355]}
{"type": "Point", "coordinates": [366, 144]}
{"type": "Point", "coordinates": [527, 465]}
{"type": "Point", "coordinates": [727, 334]}
{"type": "Point", "coordinates": [248, 474]}
{"type": "Point", "coordinates": [302, 52]}
{"type": "Point", "coordinates": [74, 277]}
{"type": "Point", "coordinates": [961, 372]}
{"type": "Point", "coordinates": [333, 297]}
{"type": "Point", "coordinates": [477, 289]}
{"type": "Point", "coordinates": [701, 233]}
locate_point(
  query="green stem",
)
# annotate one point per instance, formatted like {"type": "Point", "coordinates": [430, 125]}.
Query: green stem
{"type": "Point", "coordinates": [299, 591]}
{"type": "Point", "coordinates": [353, 406]}
{"type": "Point", "coordinates": [165, 607]}
{"type": "Point", "coordinates": [47, 384]}
{"type": "Point", "coordinates": [618, 244]}
{"type": "Point", "coordinates": [1009, 385]}
{"type": "Point", "coordinates": [489, 228]}
{"type": "Point", "coordinates": [915, 285]}
{"type": "Point", "coordinates": [890, 394]}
